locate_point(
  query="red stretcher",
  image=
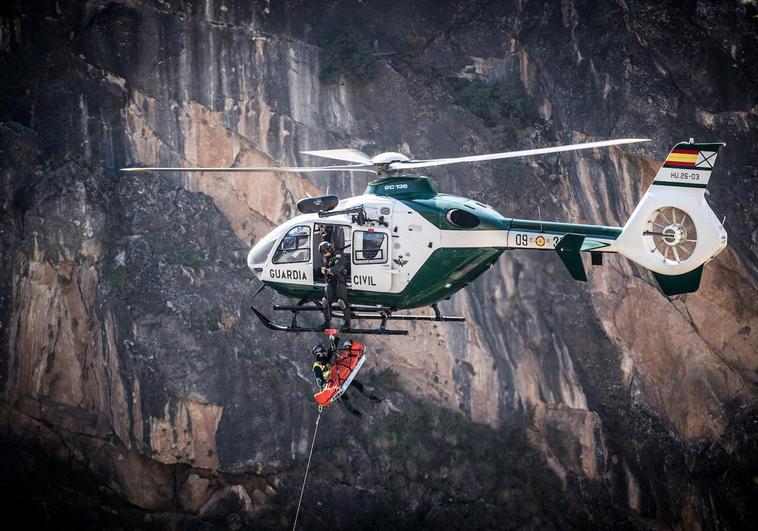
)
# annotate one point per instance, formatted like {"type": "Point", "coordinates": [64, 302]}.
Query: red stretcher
{"type": "Point", "coordinates": [346, 365]}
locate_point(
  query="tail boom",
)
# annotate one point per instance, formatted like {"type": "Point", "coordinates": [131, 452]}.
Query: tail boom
{"type": "Point", "coordinates": [673, 232]}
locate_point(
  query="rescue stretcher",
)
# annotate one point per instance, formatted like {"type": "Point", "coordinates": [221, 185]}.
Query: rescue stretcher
{"type": "Point", "coordinates": [347, 363]}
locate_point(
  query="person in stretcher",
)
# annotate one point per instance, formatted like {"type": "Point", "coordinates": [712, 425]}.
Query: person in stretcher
{"type": "Point", "coordinates": [323, 365]}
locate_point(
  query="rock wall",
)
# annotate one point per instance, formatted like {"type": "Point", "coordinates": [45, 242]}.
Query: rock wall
{"type": "Point", "coordinates": [128, 350]}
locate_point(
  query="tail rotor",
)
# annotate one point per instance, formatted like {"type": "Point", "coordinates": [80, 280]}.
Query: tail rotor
{"type": "Point", "coordinates": [671, 235]}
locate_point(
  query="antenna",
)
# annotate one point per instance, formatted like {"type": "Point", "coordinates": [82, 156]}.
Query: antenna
{"type": "Point", "coordinates": [539, 215]}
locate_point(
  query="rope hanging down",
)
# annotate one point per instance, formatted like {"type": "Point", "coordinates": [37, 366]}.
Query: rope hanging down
{"type": "Point", "coordinates": [307, 467]}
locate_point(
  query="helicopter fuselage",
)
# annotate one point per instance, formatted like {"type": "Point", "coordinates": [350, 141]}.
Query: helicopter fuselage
{"type": "Point", "coordinates": [414, 247]}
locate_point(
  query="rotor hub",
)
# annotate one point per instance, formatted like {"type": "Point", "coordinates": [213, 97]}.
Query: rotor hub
{"type": "Point", "coordinates": [389, 157]}
{"type": "Point", "coordinates": [674, 234]}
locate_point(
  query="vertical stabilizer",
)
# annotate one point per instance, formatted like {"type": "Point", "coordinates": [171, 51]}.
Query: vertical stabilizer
{"type": "Point", "coordinates": [673, 230]}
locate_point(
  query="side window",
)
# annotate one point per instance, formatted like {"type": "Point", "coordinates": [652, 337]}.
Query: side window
{"type": "Point", "coordinates": [369, 247]}
{"type": "Point", "coordinates": [295, 246]}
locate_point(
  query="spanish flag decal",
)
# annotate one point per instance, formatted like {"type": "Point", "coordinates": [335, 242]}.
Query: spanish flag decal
{"type": "Point", "coordinates": [682, 158]}
{"type": "Point", "coordinates": [689, 165]}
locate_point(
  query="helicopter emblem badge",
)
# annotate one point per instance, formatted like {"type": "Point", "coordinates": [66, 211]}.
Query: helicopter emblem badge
{"type": "Point", "coordinates": [401, 261]}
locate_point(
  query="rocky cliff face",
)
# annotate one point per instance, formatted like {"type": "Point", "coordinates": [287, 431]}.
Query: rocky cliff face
{"type": "Point", "coordinates": [129, 356]}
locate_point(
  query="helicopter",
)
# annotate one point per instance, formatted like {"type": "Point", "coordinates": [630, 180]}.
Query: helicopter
{"type": "Point", "coordinates": [410, 246]}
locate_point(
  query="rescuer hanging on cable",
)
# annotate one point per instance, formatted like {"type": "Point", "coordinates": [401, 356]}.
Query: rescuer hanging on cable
{"type": "Point", "coordinates": [321, 368]}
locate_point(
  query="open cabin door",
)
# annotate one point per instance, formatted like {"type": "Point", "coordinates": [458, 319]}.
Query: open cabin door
{"type": "Point", "coordinates": [371, 260]}
{"type": "Point", "coordinates": [339, 236]}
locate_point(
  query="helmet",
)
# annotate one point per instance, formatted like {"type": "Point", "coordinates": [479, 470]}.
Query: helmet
{"type": "Point", "coordinates": [318, 350]}
{"type": "Point", "coordinates": [325, 247]}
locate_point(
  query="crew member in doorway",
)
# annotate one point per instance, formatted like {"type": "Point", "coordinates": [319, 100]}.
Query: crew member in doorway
{"type": "Point", "coordinates": [334, 268]}
{"type": "Point", "coordinates": [321, 367]}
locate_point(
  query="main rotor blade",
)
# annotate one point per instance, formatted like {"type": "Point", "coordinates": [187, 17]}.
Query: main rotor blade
{"type": "Point", "coordinates": [512, 154]}
{"type": "Point", "coordinates": [273, 169]}
{"type": "Point", "coordinates": [349, 155]}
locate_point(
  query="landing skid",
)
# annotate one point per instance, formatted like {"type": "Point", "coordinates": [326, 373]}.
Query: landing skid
{"type": "Point", "coordinates": [279, 328]}
{"type": "Point", "coordinates": [359, 312]}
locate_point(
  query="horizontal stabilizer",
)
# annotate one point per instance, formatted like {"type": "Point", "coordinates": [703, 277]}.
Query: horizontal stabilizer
{"type": "Point", "coordinates": [678, 284]}
{"type": "Point", "coordinates": [568, 249]}
{"type": "Point", "coordinates": [592, 245]}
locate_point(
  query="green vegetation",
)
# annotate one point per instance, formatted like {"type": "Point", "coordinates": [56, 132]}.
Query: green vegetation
{"type": "Point", "coordinates": [413, 46]}
{"type": "Point", "coordinates": [94, 165]}
{"type": "Point", "coordinates": [213, 318]}
{"type": "Point", "coordinates": [431, 468]}
{"type": "Point", "coordinates": [487, 101]}
{"type": "Point", "coordinates": [106, 238]}
{"type": "Point", "coordinates": [159, 247]}
{"type": "Point", "coordinates": [188, 260]}
{"type": "Point", "coordinates": [116, 276]}
{"type": "Point", "coordinates": [464, 474]}
{"type": "Point", "coordinates": [429, 438]}
{"type": "Point", "coordinates": [446, 442]}
{"type": "Point", "coordinates": [347, 52]}
{"type": "Point", "coordinates": [500, 106]}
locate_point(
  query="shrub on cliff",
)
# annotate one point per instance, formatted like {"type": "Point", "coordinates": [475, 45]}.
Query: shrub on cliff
{"type": "Point", "coordinates": [413, 46]}
{"type": "Point", "coordinates": [488, 101]}
{"type": "Point", "coordinates": [494, 102]}
{"type": "Point", "coordinates": [347, 52]}
{"type": "Point", "coordinates": [507, 110]}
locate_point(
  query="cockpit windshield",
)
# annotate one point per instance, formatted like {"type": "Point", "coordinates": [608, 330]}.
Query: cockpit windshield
{"type": "Point", "coordinates": [259, 252]}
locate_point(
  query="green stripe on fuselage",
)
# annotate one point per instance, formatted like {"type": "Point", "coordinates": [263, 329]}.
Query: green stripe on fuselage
{"type": "Point", "coordinates": [444, 273]}
{"type": "Point", "coordinates": [435, 209]}
{"type": "Point", "coordinates": [598, 231]}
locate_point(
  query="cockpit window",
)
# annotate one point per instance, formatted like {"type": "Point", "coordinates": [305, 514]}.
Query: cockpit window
{"type": "Point", "coordinates": [295, 246]}
{"type": "Point", "coordinates": [261, 249]}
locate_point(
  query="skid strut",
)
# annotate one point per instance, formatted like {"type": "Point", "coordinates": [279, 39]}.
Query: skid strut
{"type": "Point", "coordinates": [384, 314]}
